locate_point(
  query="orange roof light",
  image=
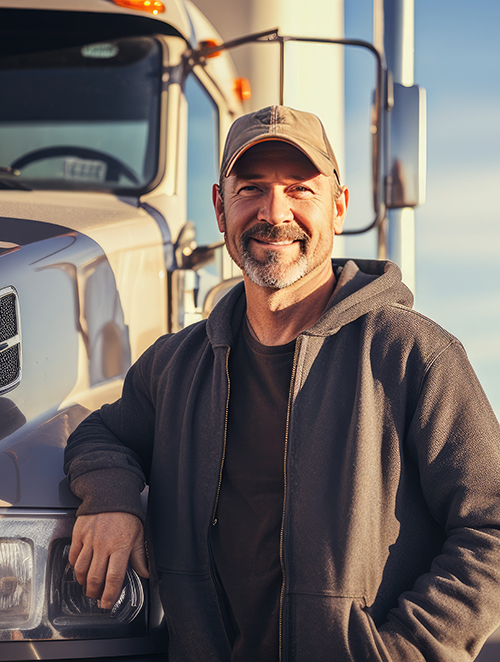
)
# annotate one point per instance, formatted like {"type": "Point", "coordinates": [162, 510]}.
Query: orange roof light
{"type": "Point", "coordinates": [152, 6]}
{"type": "Point", "coordinates": [243, 89]}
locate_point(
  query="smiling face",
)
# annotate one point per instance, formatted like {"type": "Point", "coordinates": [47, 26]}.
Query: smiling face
{"type": "Point", "coordinates": [279, 215]}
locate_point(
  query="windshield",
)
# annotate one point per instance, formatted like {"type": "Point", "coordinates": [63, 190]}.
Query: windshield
{"type": "Point", "coordinates": [82, 116]}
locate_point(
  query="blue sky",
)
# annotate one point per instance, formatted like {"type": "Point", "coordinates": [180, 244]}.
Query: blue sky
{"type": "Point", "coordinates": [457, 60]}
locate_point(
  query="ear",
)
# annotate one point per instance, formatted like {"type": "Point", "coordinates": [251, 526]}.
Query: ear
{"type": "Point", "coordinates": [341, 204]}
{"type": "Point", "coordinates": [219, 208]}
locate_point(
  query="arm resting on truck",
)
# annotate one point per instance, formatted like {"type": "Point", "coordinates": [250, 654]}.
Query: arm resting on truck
{"type": "Point", "coordinates": [108, 477]}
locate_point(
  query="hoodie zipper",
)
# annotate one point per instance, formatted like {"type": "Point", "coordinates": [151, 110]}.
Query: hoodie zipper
{"type": "Point", "coordinates": [214, 515]}
{"type": "Point", "coordinates": [285, 459]}
{"type": "Point", "coordinates": [213, 572]}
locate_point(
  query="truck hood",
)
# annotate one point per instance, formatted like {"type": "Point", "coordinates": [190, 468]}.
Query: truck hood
{"type": "Point", "coordinates": [49, 258]}
{"type": "Point", "coordinates": [77, 211]}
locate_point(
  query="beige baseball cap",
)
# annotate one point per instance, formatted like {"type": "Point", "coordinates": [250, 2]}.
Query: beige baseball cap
{"type": "Point", "coordinates": [302, 130]}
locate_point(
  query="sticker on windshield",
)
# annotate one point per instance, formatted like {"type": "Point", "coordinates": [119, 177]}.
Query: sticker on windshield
{"type": "Point", "coordinates": [102, 51]}
{"type": "Point", "coordinates": [84, 170]}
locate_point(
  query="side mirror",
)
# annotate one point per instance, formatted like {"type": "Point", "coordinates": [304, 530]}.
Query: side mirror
{"type": "Point", "coordinates": [198, 256]}
{"type": "Point", "coordinates": [405, 181]}
{"type": "Point", "coordinates": [188, 254]}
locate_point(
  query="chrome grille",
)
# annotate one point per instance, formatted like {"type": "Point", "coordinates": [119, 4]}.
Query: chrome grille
{"type": "Point", "coordinates": [8, 318]}
{"type": "Point", "coordinates": [10, 340]}
{"type": "Point", "coordinates": [9, 366]}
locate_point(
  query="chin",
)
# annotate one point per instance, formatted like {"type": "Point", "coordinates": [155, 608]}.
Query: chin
{"type": "Point", "coordinates": [275, 276]}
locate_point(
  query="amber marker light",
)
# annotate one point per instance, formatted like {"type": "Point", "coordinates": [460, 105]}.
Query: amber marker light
{"type": "Point", "coordinates": [152, 6]}
{"type": "Point", "coordinates": [243, 89]}
{"type": "Point", "coordinates": [210, 43]}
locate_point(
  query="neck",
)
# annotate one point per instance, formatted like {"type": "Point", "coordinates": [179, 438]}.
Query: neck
{"type": "Point", "coordinates": [278, 316]}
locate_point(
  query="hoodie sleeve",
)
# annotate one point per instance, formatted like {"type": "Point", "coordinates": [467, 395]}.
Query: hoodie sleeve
{"type": "Point", "coordinates": [455, 439]}
{"type": "Point", "coordinates": [107, 457]}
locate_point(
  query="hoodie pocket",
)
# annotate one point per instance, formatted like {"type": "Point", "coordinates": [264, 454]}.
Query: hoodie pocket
{"type": "Point", "coordinates": [331, 629]}
{"type": "Point", "coordinates": [378, 641]}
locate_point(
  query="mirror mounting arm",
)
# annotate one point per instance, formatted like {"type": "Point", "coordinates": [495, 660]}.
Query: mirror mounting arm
{"type": "Point", "coordinates": [383, 97]}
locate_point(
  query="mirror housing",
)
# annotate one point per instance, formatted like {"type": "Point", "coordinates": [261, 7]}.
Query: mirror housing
{"type": "Point", "coordinates": [405, 180]}
{"type": "Point", "coordinates": [188, 254]}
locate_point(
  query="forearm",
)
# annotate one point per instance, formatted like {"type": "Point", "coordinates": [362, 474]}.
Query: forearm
{"type": "Point", "coordinates": [452, 609]}
{"type": "Point", "coordinates": [107, 457]}
{"type": "Point", "coordinates": [102, 471]}
{"type": "Point", "coordinates": [454, 439]}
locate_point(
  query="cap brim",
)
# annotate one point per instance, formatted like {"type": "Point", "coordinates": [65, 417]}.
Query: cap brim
{"type": "Point", "coordinates": [317, 158]}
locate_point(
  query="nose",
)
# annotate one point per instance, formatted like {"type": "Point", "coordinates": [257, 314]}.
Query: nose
{"type": "Point", "coordinates": [275, 208]}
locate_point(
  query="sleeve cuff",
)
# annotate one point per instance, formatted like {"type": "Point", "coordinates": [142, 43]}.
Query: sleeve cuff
{"type": "Point", "coordinates": [109, 490]}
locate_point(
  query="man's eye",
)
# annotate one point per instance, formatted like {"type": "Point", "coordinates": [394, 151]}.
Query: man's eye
{"type": "Point", "coordinates": [248, 189]}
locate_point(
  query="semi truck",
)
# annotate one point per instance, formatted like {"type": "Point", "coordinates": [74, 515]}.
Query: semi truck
{"type": "Point", "coordinates": [113, 115]}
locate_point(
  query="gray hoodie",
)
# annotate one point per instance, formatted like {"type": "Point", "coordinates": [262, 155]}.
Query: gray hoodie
{"type": "Point", "coordinates": [391, 518]}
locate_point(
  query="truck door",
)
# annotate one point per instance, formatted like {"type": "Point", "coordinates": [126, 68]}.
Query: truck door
{"type": "Point", "coordinates": [199, 247]}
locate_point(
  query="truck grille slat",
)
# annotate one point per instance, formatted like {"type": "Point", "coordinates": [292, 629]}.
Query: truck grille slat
{"type": "Point", "coordinates": [9, 366]}
{"type": "Point", "coordinates": [8, 317]}
{"type": "Point", "coordinates": [10, 340]}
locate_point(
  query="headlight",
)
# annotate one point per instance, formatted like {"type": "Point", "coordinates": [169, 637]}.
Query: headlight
{"type": "Point", "coordinates": [70, 607]}
{"type": "Point", "coordinates": [39, 595]}
{"type": "Point", "coordinates": [16, 571]}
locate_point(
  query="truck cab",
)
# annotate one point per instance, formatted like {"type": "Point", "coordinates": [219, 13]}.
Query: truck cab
{"type": "Point", "coordinates": [110, 140]}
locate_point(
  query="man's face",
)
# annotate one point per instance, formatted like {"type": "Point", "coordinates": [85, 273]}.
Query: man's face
{"type": "Point", "coordinates": [279, 215]}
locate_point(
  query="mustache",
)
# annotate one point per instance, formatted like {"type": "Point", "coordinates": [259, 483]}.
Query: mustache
{"type": "Point", "coordinates": [264, 231]}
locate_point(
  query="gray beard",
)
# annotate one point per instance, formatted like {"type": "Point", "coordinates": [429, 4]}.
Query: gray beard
{"type": "Point", "coordinates": [272, 272]}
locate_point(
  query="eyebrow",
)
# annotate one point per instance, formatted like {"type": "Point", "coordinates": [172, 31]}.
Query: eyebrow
{"type": "Point", "coordinates": [257, 176]}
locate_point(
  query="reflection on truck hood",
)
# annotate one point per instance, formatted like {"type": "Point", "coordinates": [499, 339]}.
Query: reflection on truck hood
{"type": "Point", "coordinates": [74, 341]}
{"type": "Point", "coordinates": [31, 456]}
{"type": "Point", "coordinates": [22, 232]}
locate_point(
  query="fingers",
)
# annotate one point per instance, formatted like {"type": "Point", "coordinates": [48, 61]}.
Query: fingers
{"type": "Point", "coordinates": [95, 575]}
{"type": "Point", "coordinates": [100, 551]}
{"type": "Point", "coordinates": [82, 564]}
{"type": "Point", "coordinates": [74, 550]}
{"type": "Point", "coordinates": [80, 555]}
{"type": "Point", "coordinates": [116, 570]}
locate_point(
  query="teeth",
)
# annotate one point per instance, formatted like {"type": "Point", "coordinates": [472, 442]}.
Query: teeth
{"type": "Point", "coordinates": [277, 243]}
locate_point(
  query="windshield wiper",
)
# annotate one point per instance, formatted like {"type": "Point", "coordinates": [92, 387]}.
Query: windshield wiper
{"type": "Point", "coordinates": [8, 179]}
{"type": "Point", "coordinates": [10, 170]}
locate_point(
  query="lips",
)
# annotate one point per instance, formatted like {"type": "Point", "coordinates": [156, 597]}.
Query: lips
{"type": "Point", "coordinates": [278, 235]}
{"type": "Point", "coordinates": [268, 242]}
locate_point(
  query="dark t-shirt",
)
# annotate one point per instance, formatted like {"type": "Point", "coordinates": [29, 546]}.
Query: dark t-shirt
{"type": "Point", "coordinates": [246, 538]}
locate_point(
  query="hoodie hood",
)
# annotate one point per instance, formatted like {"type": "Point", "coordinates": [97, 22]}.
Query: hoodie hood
{"type": "Point", "coordinates": [362, 286]}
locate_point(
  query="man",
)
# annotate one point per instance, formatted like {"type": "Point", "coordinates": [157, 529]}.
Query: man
{"type": "Point", "coordinates": [324, 468]}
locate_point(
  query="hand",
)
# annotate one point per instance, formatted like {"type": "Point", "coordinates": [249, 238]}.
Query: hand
{"type": "Point", "coordinates": [100, 551]}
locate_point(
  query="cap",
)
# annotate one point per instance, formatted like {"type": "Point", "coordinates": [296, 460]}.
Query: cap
{"type": "Point", "coordinates": [302, 130]}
